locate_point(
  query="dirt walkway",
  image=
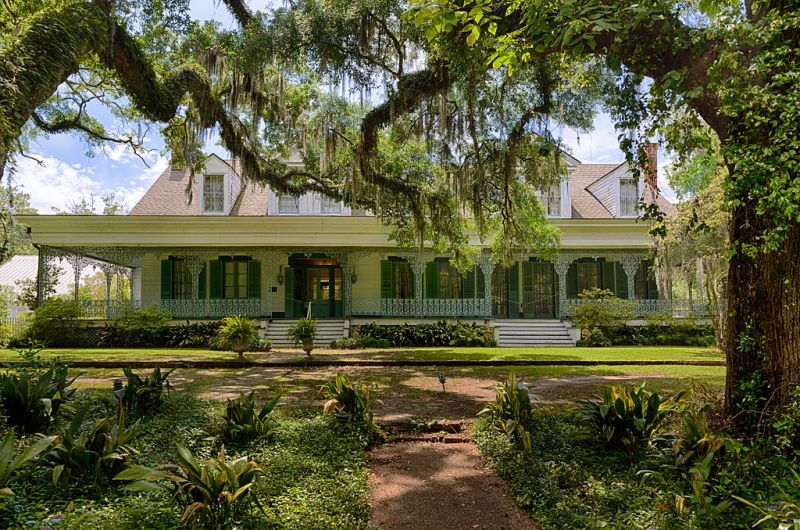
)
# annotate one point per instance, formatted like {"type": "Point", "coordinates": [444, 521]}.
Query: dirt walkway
{"type": "Point", "coordinates": [423, 485]}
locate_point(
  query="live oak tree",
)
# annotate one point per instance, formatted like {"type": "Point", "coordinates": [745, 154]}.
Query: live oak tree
{"type": "Point", "coordinates": [451, 165]}
{"type": "Point", "coordinates": [733, 66]}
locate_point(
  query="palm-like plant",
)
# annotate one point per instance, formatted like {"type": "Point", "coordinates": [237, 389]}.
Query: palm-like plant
{"type": "Point", "coordinates": [624, 416]}
{"type": "Point", "coordinates": [512, 410]}
{"type": "Point", "coordinates": [242, 422]}
{"type": "Point", "coordinates": [97, 454]}
{"type": "Point", "coordinates": [213, 491]}
{"type": "Point", "coordinates": [303, 332]}
{"type": "Point", "coordinates": [346, 396]}
{"type": "Point", "coordinates": [9, 462]}
{"type": "Point", "coordinates": [237, 333]}
{"type": "Point", "coordinates": [31, 400]}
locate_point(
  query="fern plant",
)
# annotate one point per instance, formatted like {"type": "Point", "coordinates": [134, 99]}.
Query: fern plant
{"type": "Point", "coordinates": [237, 333]}
{"type": "Point", "coordinates": [242, 422]}
{"type": "Point", "coordinates": [512, 410]}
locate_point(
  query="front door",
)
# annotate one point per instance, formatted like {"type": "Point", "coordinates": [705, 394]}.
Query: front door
{"type": "Point", "coordinates": [316, 282]}
{"type": "Point", "coordinates": [324, 291]}
{"type": "Point", "coordinates": [538, 289]}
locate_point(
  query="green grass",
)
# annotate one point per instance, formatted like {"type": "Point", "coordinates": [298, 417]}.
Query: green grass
{"type": "Point", "coordinates": [617, 353]}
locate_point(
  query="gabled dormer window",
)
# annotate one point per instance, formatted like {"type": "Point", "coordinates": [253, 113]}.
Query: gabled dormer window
{"type": "Point", "coordinates": [330, 206]}
{"type": "Point", "coordinates": [628, 197]}
{"type": "Point", "coordinates": [552, 199]}
{"type": "Point", "coordinates": [213, 193]}
{"type": "Point", "coordinates": [288, 205]}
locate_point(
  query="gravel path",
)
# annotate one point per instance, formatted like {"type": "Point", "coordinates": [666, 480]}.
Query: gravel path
{"type": "Point", "coordinates": [423, 485]}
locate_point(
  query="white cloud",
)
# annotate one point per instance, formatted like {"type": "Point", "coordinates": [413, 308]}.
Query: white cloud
{"type": "Point", "coordinates": [57, 183]}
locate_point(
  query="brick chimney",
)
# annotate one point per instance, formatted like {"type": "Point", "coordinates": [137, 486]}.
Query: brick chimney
{"type": "Point", "coordinates": [651, 164]}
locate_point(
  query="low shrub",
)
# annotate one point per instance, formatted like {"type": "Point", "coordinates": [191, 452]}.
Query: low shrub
{"type": "Point", "coordinates": [192, 335]}
{"type": "Point", "coordinates": [346, 396]}
{"type": "Point", "coordinates": [33, 399]}
{"type": "Point", "coordinates": [653, 334]}
{"type": "Point", "coordinates": [145, 395]}
{"type": "Point", "coordinates": [358, 343]}
{"type": "Point", "coordinates": [428, 334]}
{"type": "Point", "coordinates": [511, 411]}
{"type": "Point", "coordinates": [93, 456]}
{"type": "Point", "coordinates": [262, 344]}
{"type": "Point", "coordinates": [242, 422]}
{"type": "Point", "coordinates": [53, 322]}
{"type": "Point", "coordinates": [600, 307]}
{"type": "Point", "coordinates": [145, 327]}
{"type": "Point", "coordinates": [625, 416]}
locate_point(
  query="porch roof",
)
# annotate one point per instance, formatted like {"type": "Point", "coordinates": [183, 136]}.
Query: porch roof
{"type": "Point", "coordinates": [282, 231]}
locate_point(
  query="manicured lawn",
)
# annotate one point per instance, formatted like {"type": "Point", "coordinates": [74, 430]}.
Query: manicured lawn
{"type": "Point", "coordinates": [618, 353]}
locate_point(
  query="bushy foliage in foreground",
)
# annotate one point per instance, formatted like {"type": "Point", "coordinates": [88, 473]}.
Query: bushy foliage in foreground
{"type": "Point", "coordinates": [314, 476]}
{"type": "Point", "coordinates": [569, 480]}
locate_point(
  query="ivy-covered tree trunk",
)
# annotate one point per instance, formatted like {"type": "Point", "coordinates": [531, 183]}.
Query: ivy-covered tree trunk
{"type": "Point", "coordinates": [763, 335]}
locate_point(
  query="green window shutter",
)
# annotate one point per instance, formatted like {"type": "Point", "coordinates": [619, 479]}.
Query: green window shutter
{"type": "Point", "coordinates": [513, 290]}
{"type": "Point", "coordinates": [254, 279]}
{"type": "Point", "coordinates": [468, 285]}
{"type": "Point", "coordinates": [572, 281]}
{"type": "Point", "coordinates": [480, 283]}
{"type": "Point", "coordinates": [166, 279]}
{"type": "Point", "coordinates": [288, 291]}
{"type": "Point", "coordinates": [201, 283]}
{"type": "Point", "coordinates": [431, 280]}
{"type": "Point", "coordinates": [217, 279]}
{"type": "Point", "coordinates": [622, 281]}
{"type": "Point", "coordinates": [387, 279]}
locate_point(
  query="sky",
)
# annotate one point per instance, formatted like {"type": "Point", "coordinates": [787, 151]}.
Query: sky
{"type": "Point", "coordinates": [67, 173]}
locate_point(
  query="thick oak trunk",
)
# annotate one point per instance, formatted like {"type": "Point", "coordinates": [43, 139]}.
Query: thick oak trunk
{"type": "Point", "coordinates": [763, 339]}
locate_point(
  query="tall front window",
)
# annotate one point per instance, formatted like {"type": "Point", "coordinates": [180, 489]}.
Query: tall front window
{"type": "Point", "coordinates": [330, 206]}
{"type": "Point", "coordinates": [181, 280]}
{"type": "Point", "coordinates": [588, 276]}
{"type": "Point", "coordinates": [235, 279]}
{"type": "Point", "coordinates": [628, 197]}
{"type": "Point", "coordinates": [449, 281]}
{"type": "Point", "coordinates": [403, 284]}
{"type": "Point", "coordinates": [288, 205]}
{"type": "Point", "coordinates": [552, 199]}
{"type": "Point", "coordinates": [213, 193]}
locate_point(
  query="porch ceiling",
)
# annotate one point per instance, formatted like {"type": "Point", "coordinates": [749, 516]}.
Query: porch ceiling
{"type": "Point", "coordinates": [283, 231]}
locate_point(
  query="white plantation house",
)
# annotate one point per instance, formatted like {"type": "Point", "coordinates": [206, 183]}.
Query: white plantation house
{"type": "Point", "coordinates": [239, 248]}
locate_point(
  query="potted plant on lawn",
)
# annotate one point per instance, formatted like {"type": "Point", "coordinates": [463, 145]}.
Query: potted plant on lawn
{"type": "Point", "coordinates": [303, 332]}
{"type": "Point", "coordinates": [237, 333]}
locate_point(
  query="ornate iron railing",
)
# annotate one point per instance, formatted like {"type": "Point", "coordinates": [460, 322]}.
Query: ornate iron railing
{"type": "Point", "coordinates": [251, 307]}
{"type": "Point", "coordinates": [101, 309]}
{"type": "Point", "coordinates": [426, 307]}
{"type": "Point", "coordinates": [643, 308]}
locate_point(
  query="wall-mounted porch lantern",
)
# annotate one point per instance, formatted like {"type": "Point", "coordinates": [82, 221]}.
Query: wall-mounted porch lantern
{"type": "Point", "coordinates": [280, 275]}
{"type": "Point", "coordinates": [353, 276]}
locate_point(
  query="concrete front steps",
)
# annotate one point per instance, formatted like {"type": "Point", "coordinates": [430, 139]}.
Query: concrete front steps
{"type": "Point", "coordinates": [327, 330]}
{"type": "Point", "coordinates": [530, 332]}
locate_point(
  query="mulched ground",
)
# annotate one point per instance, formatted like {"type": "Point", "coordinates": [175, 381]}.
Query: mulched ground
{"type": "Point", "coordinates": [423, 485]}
